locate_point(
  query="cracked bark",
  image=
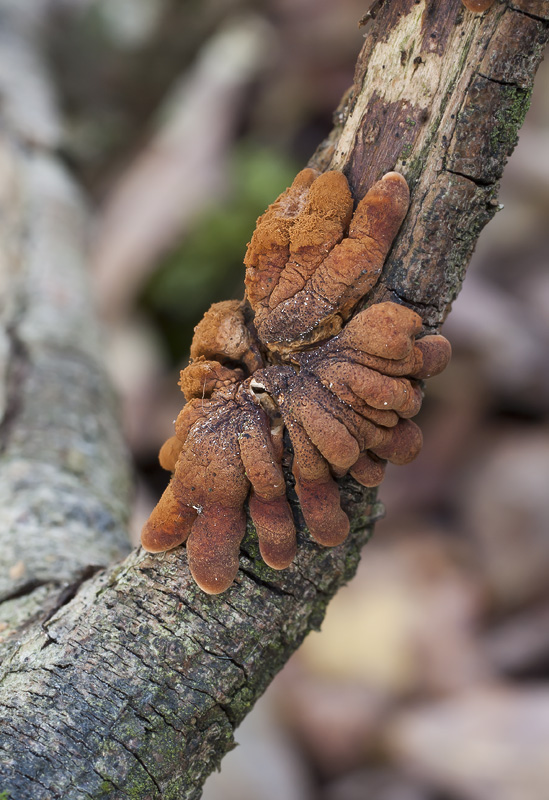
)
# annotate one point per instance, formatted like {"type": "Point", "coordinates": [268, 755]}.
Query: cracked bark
{"type": "Point", "coordinates": [131, 682]}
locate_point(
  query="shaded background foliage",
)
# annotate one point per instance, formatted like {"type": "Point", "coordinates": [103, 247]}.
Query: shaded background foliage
{"type": "Point", "coordinates": [430, 678]}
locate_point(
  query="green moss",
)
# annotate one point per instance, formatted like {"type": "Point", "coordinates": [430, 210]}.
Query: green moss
{"type": "Point", "coordinates": [260, 568]}
{"type": "Point", "coordinates": [509, 118]}
{"type": "Point", "coordinates": [250, 544]}
{"type": "Point", "coordinates": [241, 704]}
{"type": "Point", "coordinates": [319, 611]}
{"type": "Point", "coordinates": [414, 168]}
{"type": "Point", "coordinates": [405, 152]}
{"type": "Point", "coordinates": [137, 783]}
{"type": "Point", "coordinates": [137, 790]}
{"type": "Point", "coordinates": [5, 795]}
{"type": "Point", "coordinates": [106, 788]}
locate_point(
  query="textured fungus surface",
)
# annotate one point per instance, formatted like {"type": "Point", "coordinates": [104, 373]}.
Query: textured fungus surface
{"type": "Point", "coordinates": [478, 6]}
{"type": "Point", "coordinates": [311, 259]}
{"type": "Point", "coordinates": [289, 357]}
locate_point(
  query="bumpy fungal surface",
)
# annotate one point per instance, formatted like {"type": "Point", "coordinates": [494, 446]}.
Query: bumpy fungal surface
{"type": "Point", "coordinates": [311, 259]}
{"type": "Point", "coordinates": [290, 357]}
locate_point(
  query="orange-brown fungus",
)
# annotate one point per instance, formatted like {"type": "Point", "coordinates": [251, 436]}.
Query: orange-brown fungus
{"type": "Point", "coordinates": [311, 260]}
{"type": "Point", "coordinates": [478, 6]}
{"type": "Point", "coordinates": [284, 359]}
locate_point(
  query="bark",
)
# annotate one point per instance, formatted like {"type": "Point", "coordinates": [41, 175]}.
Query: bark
{"type": "Point", "coordinates": [64, 477]}
{"type": "Point", "coordinates": [132, 683]}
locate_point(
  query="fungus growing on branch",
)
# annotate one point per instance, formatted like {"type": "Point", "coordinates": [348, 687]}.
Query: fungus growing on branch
{"type": "Point", "coordinates": [284, 359]}
{"type": "Point", "coordinates": [310, 262]}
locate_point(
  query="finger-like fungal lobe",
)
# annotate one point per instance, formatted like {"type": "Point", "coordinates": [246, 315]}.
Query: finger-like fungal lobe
{"type": "Point", "coordinates": [292, 357]}
{"type": "Point", "coordinates": [311, 259]}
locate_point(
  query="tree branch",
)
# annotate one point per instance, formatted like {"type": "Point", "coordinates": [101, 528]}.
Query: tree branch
{"type": "Point", "coordinates": [134, 686]}
{"type": "Point", "coordinates": [64, 477]}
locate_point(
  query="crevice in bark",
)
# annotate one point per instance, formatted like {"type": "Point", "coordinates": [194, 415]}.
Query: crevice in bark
{"type": "Point", "coordinates": [24, 590]}
{"type": "Point", "coordinates": [475, 181]}
{"type": "Point", "coordinates": [70, 591]}
{"type": "Point", "coordinates": [496, 80]}
{"type": "Point", "coordinates": [529, 14]}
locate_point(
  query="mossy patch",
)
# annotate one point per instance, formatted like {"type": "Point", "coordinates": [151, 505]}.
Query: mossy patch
{"type": "Point", "coordinates": [509, 118]}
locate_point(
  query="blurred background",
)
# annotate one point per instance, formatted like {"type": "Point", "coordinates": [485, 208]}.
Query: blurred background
{"type": "Point", "coordinates": [430, 678]}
